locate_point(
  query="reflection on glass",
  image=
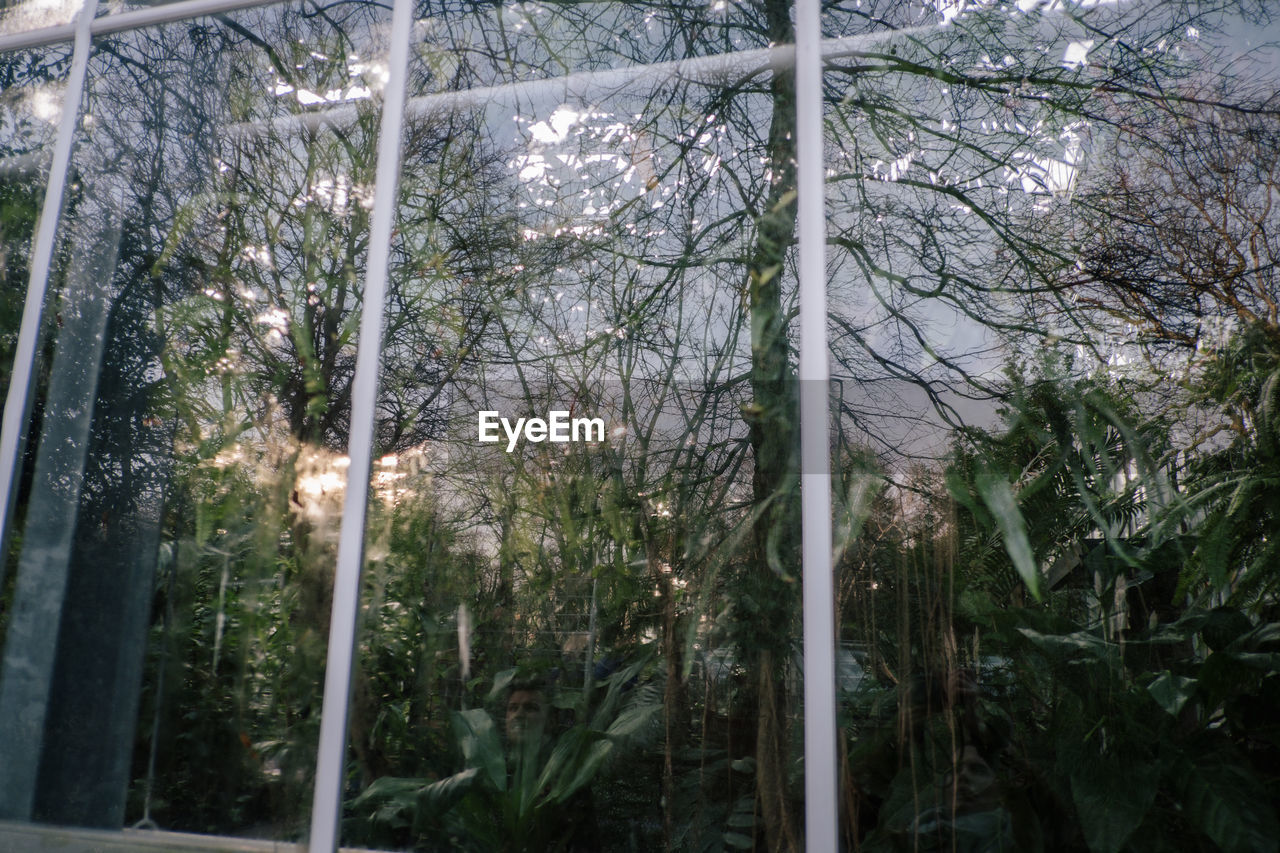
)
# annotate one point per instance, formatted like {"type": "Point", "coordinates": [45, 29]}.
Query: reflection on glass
{"type": "Point", "coordinates": [164, 655]}
{"type": "Point", "coordinates": [1024, 333]}
{"type": "Point", "coordinates": [36, 14]}
{"type": "Point", "coordinates": [1017, 216]}
{"type": "Point", "coordinates": [32, 98]}
{"type": "Point", "coordinates": [1051, 266]}
{"type": "Point", "coordinates": [584, 644]}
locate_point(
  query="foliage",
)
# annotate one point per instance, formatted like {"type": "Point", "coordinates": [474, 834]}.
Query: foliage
{"type": "Point", "coordinates": [1085, 595]}
{"type": "Point", "coordinates": [533, 797]}
{"type": "Point", "coordinates": [1127, 710]}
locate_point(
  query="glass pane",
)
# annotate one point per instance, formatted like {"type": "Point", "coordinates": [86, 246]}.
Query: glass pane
{"type": "Point", "coordinates": [33, 92]}
{"type": "Point", "coordinates": [170, 613]}
{"type": "Point", "coordinates": [580, 644]}
{"type": "Point", "coordinates": [32, 84]}
{"type": "Point", "coordinates": [1038, 344]}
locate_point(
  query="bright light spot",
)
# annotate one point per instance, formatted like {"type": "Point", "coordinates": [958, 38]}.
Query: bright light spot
{"type": "Point", "coordinates": [258, 254]}
{"type": "Point", "coordinates": [276, 318]}
{"type": "Point", "coordinates": [535, 168]}
{"type": "Point", "coordinates": [1039, 174]}
{"type": "Point", "coordinates": [46, 104]}
{"type": "Point", "coordinates": [225, 458]}
{"type": "Point", "coordinates": [950, 9]}
{"type": "Point", "coordinates": [1077, 54]}
{"type": "Point", "coordinates": [321, 483]}
{"type": "Point", "coordinates": [39, 13]}
{"type": "Point", "coordinates": [556, 128]}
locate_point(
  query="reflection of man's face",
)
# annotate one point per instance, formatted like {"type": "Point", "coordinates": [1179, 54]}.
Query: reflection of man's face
{"type": "Point", "coordinates": [972, 783]}
{"type": "Point", "coordinates": [526, 716]}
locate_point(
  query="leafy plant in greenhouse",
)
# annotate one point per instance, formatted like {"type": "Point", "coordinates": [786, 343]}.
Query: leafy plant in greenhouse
{"type": "Point", "coordinates": [509, 798]}
{"type": "Point", "coordinates": [236, 705]}
{"type": "Point", "coordinates": [18, 208]}
{"type": "Point", "coordinates": [1130, 712]}
{"type": "Point", "coordinates": [1234, 491]}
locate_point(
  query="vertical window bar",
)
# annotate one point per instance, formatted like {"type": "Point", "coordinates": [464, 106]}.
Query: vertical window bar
{"type": "Point", "coordinates": [820, 744]}
{"type": "Point", "coordinates": [17, 406]}
{"type": "Point", "coordinates": [326, 809]}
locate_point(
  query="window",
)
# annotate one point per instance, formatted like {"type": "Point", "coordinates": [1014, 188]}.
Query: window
{"type": "Point", "coordinates": [608, 426]}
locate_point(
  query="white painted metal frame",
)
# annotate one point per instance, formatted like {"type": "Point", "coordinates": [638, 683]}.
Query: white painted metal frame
{"type": "Point", "coordinates": [821, 745]}
{"type": "Point", "coordinates": [326, 809]}
{"type": "Point", "coordinates": [713, 70]}
{"type": "Point", "coordinates": [17, 405]}
{"type": "Point", "coordinates": [164, 14]}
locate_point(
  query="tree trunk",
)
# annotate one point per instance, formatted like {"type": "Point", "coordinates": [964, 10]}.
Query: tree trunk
{"type": "Point", "coordinates": [773, 433]}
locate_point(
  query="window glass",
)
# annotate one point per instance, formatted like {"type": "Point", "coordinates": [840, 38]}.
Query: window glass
{"type": "Point", "coordinates": [33, 94]}
{"type": "Point", "coordinates": [1055, 355]}
{"type": "Point", "coordinates": [164, 654]}
{"type": "Point", "coordinates": [1037, 342]}
{"type": "Point", "coordinates": [33, 97]}
{"type": "Point", "coordinates": [32, 82]}
{"type": "Point", "coordinates": [578, 632]}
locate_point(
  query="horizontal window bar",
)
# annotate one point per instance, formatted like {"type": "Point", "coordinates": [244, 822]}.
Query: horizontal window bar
{"type": "Point", "coordinates": [164, 14]}
{"type": "Point", "coordinates": [720, 69]}
{"type": "Point", "coordinates": [35, 838]}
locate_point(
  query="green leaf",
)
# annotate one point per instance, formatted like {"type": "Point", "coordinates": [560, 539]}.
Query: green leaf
{"type": "Point", "coordinates": [1070, 645]}
{"type": "Point", "coordinates": [388, 790]}
{"type": "Point", "coordinates": [999, 497]}
{"type": "Point", "coordinates": [588, 765]}
{"type": "Point", "coordinates": [1112, 797]}
{"type": "Point", "coordinates": [959, 491]}
{"type": "Point", "coordinates": [439, 797]}
{"type": "Point", "coordinates": [1229, 805]}
{"type": "Point", "coordinates": [632, 721]}
{"type": "Point", "coordinates": [738, 841]}
{"type": "Point", "coordinates": [1171, 692]}
{"type": "Point", "coordinates": [481, 745]}
{"type": "Point", "coordinates": [501, 682]}
{"type": "Point", "coordinates": [1269, 412]}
